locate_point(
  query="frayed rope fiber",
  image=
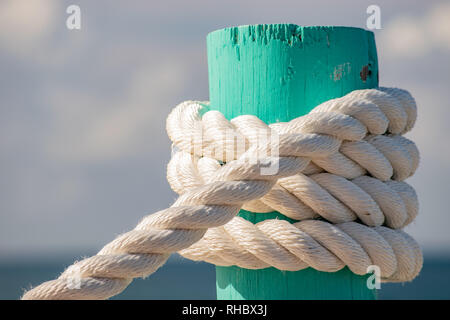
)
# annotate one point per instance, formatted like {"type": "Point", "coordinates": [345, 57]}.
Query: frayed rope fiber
{"type": "Point", "coordinates": [340, 173]}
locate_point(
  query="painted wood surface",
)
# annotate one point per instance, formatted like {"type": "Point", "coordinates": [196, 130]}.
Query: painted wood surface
{"type": "Point", "coordinates": [279, 72]}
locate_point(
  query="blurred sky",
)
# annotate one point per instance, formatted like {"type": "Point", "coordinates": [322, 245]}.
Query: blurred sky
{"type": "Point", "coordinates": [82, 113]}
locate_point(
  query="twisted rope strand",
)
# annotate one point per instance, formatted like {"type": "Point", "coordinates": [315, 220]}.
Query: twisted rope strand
{"type": "Point", "coordinates": [309, 243]}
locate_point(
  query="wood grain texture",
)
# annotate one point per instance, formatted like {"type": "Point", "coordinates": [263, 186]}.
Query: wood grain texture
{"type": "Point", "coordinates": [278, 72]}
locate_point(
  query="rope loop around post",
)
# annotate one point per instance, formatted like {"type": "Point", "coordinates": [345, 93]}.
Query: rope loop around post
{"type": "Point", "coordinates": [339, 171]}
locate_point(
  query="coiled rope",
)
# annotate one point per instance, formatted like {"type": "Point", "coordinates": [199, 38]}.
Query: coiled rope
{"type": "Point", "coordinates": [340, 171]}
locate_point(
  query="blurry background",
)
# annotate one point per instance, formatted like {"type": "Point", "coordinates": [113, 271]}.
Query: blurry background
{"type": "Point", "coordinates": [83, 146]}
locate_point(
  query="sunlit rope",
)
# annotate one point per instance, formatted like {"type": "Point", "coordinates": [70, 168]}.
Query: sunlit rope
{"type": "Point", "coordinates": [338, 170]}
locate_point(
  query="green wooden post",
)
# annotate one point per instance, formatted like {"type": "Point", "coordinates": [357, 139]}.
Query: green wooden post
{"type": "Point", "coordinates": [278, 72]}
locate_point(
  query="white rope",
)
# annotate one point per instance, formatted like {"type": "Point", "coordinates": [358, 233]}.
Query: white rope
{"type": "Point", "coordinates": [340, 170]}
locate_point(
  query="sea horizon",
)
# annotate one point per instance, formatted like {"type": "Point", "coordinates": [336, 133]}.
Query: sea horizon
{"type": "Point", "coordinates": [182, 279]}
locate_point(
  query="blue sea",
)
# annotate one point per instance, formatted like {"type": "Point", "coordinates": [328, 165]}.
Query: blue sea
{"type": "Point", "coordinates": [183, 279]}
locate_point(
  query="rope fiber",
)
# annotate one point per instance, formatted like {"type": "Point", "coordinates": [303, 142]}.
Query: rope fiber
{"type": "Point", "coordinates": [340, 174]}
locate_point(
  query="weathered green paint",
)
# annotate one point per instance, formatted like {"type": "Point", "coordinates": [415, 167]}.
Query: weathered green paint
{"type": "Point", "coordinates": [279, 72]}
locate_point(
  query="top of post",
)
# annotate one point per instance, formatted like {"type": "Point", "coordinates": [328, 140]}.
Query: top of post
{"type": "Point", "coordinates": [293, 34]}
{"type": "Point", "coordinates": [281, 71]}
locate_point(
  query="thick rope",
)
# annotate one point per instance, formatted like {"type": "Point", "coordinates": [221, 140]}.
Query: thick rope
{"type": "Point", "coordinates": [344, 162]}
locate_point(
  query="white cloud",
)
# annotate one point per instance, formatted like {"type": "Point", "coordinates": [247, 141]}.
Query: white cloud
{"type": "Point", "coordinates": [438, 25]}
{"type": "Point", "coordinates": [26, 23]}
{"type": "Point", "coordinates": [91, 129]}
{"type": "Point", "coordinates": [409, 36]}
